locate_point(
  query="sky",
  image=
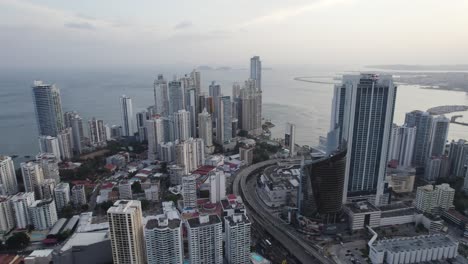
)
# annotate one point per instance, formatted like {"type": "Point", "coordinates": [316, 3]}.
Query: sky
{"type": "Point", "coordinates": [59, 33]}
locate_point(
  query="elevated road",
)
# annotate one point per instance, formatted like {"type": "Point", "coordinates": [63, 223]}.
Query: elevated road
{"type": "Point", "coordinates": [243, 185]}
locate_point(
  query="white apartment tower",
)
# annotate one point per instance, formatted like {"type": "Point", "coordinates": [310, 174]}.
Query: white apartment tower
{"type": "Point", "coordinates": [32, 177]}
{"type": "Point", "coordinates": [97, 132]}
{"type": "Point", "coordinates": [181, 125]}
{"type": "Point", "coordinates": [190, 154]}
{"type": "Point", "coordinates": [205, 128]}
{"type": "Point", "coordinates": [290, 139]}
{"type": "Point", "coordinates": [62, 195]}
{"type": "Point", "coordinates": [189, 191]}
{"type": "Point", "coordinates": [205, 239]}
{"type": "Point", "coordinates": [43, 214]}
{"type": "Point", "coordinates": [126, 232]}
{"type": "Point", "coordinates": [49, 165]}
{"type": "Point", "coordinates": [402, 142]}
{"type": "Point", "coordinates": [20, 203]}
{"type": "Point", "coordinates": [363, 107]}
{"type": "Point", "coordinates": [48, 144]}
{"type": "Point", "coordinates": [47, 189]}
{"type": "Point", "coordinates": [65, 139]}
{"type": "Point", "coordinates": [237, 247]}
{"type": "Point", "coordinates": [128, 123]}
{"type": "Point", "coordinates": [78, 195]}
{"type": "Point", "coordinates": [217, 186]}
{"type": "Point", "coordinates": [251, 108]}
{"type": "Point", "coordinates": [155, 133]}
{"type": "Point", "coordinates": [8, 183]}
{"type": "Point", "coordinates": [161, 101]}
{"type": "Point", "coordinates": [7, 221]}
{"type": "Point", "coordinates": [429, 198]}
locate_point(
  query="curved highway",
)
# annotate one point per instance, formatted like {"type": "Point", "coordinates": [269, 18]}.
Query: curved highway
{"type": "Point", "coordinates": [243, 186]}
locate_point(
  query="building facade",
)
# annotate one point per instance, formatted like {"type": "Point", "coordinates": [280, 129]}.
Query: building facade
{"type": "Point", "coordinates": [237, 247]}
{"type": "Point", "coordinates": [8, 183]}
{"type": "Point", "coordinates": [48, 108]}
{"type": "Point", "coordinates": [126, 108]}
{"type": "Point", "coordinates": [205, 239]}
{"type": "Point", "coordinates": [43, 214]}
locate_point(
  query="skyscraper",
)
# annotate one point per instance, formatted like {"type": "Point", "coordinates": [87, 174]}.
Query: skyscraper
{"type": "Point", "coordinates": [217, 186]}
{"type": "Point", "coordinates": [49, 165]}
{"type": "Point", "coordinates": [366, 115]}
{"type": "Point", "coordinates": [191, 107]}
{"type": "Point", "coordinates": [205, 239]}
{"type": "Point", "coordinates": [176, 96]}
{"type": "Point", "coordinates": [224, 120]}
{"type": "Point", "coordinates": [7, 221]}
{"type": "Point", "coordinates": [205, 128]}
{"type": "Point", "coordinates": [43, 214]}
{"type": "Point", "coordinates": [97, 132]}
{"type": "Point", "coordinates": [250, 106]}
{"type": "Point", "coordinates": [237, 246]}
{"type": "Point", "coordinates": [48, 108]}
{"type": "Point", "coordinates": [65, 139]}
{"type": "Point", "coordinates": [214, 91]}
{"type": "Point", "coordinates": [402, 142]}
{"type": "Point", "coordinates": [78, 195]}
{"type": "Point", "coordinates": [190, 154]}
{"type": "Point", "coordinates": [439, 134]}
{"type": "Point", "coordinates": [141, 118]}
{"type": "Point", "coordinates": [458, 156]}
{"type": "Point", "coordinates": [32, 177]}
{"type": "Point", "coordinates": [127, 116]}
{"type": "Point", "coordinates": [423, 123]}
{"type": "Point", "coordinates": [161, 101]}
{"type": "Point", "coordinates": [8, 183]}
{"type": "Point", "coordinates": [155, 132]}
{"type": "Point", "coordinates": [62, 195]}
{"type": "Point", "coordinates": [189, 191]}
{"type": "Point", "coordinates": [196, 79]}
{"type": "Point", "coordinates": [77, 133]}
{"type": "Point", "coordinates": [256, 71]}
{"type": "Point", "coordinates": [20, 203]}
{"type": "Point", "coordinates": [48, 144]}
{"type": "Point", "coordinates": [181, 125]}
{"type": "Point", "coordinates": [290, 139]}
{"type": "Point", "coordinates": [126, 232]}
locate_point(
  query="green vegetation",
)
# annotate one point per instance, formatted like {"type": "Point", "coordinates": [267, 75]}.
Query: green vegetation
{"type": "Point", "coordinates": [172, 197]}
{"type": "Point", "coordinates": [421, 229]}
{"type": "Point", "coordinates": [263, 151]}
{"type": "Point", "coordinates": [145, 204]}
{"type": "Point", "coordinates": [67, 211]}
{"type": "Point", "coordinates": [136, 187]}
{"type": "Point", "coordinates": [463, 250]}
{"type": "Point", "coordinates": [64, 235]}
{"type": "Point", "coordinates": [106, 205]}
{"type": "Point", "coordinates": [18, 241]}
{"type": "Point", "coordinates": [243, 133]}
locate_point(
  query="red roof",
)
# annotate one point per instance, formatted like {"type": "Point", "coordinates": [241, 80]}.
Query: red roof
{"type": "Point", "coordinates": [108, 185]}
{"type": "Point", "coordinates": [110, 167]}
{"type": "Point", "coordinates": [231, 197]}
{"type": "Point", "coordinates": [204, 170]}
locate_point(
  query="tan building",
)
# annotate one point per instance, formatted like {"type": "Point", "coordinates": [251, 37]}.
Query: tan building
{"type": "Point", "coordinates": [126, 232]}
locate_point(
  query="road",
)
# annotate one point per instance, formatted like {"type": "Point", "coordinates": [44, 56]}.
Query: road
{"type": "Point", "coordinates": [244, 186]}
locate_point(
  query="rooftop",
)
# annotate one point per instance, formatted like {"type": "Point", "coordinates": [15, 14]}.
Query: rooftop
{"type": "Point", "coordinates": [236, 219]}
{"type": "Point", "coordinates": [85, 239]}
{"type": "Point", "coordinates": [361, 207]}
{"type": "Point", "coordinates": [413, 243]}
{"type": "Point", "coordinates": [203, 220]}
{"type": "Point", "coordinates": [162, 222]}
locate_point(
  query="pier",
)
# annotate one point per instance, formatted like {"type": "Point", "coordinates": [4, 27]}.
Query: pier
{"type": "Point", "coordinates": [454, 118]}
{"type": "Point", "coordinates": [446, 109]}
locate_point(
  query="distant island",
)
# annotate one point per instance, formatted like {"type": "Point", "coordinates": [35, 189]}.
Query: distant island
{"type": "Point", "coordinates": [225, 68]}
{"type": "Point", "coordinates": [405, 67]}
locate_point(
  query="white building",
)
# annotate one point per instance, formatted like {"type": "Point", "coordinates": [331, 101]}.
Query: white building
{"type": "Point", "coordinates": [78, 195]}
{"type": "Point", "coordinates": [362, 214]}
{"type": "Point", "coordinates": [163, 238]}
{"type": "Point", "coordinates": [161, 102]}
{"type": "Point", "coordinates": [155, 134]}
{"type": "Point", "coordinates": [205, 128]}
{"type": "Point", "coordinates": [43, 214]}
{"type": "Point", "coordinates": [97, 132]}
{"type": "Point", "coordinates": [256, 71]}
{"type": "Point", "coordinates": [49, 164]}
{"type": "Point", "coordinates": [217, 186]}
{"type": "Point", "coordinates": [32, 177]}
{"type": "Point", "coordinates": [62, 195]}
{"type": "Point", "coordinates": [429, 198]}
{"type": "Point", "coordinates": [181, 120]}
{"type": "Point", "coordinates": [65, 139]}
{"type": "Point", "coordinates": [246, 155]}
{"type": "Point", "coordinates": [20, 203]}
{"type": "Point", "coordinates": [205, 239]}
{"type": "Point", "coordinates": [128, 123]}
{"type": "Point", "coordinates": [152, 193]}
{"type": "Point", "coordinates": [290, 138]}
{"type": "Point", "coordinates": [126, 232]}
{"type": "Point", "coordinates": [251, 114]}
{"type": "Point", "coordinates": [237, 248]}
{"type": "Point", "coordinates": [8, 183]}
{"type": "Point", "coordinates": [190, 154]}
{"type": "Point", "coordinates": [419, 249]}
{"type": "Point", "coordinates": [48, 144]}
{"type": "Point", "coordinates": [167, 151]}
{"type": "Point", "coordinates": [189, 191]}
{"type": "Point", "coordinates": [7, 221]}
{"type": "Point", "coordinates": [402, 142]}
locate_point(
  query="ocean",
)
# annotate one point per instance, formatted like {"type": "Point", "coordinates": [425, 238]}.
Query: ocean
{"type": "Point", "coordinates": [96, 92]}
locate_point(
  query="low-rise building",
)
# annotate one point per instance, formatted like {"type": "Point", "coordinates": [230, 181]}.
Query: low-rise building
{"type": "Point", "coordinates": [91, 247]}
{"type": "Point", "coordinates": [279, 186]}
{"type": "Point", "coordinates": [62, 195]}
{"type": "Point", "coordinates": [401, 180]}
{"type": "Point", "coordinates": [7, 221]}
{"type": "Point", "coordinates": [362, 214]}
{"type": "Point", "coordinates": [125, 190]}
{"type": "Point", "coordinates": [430, 199]}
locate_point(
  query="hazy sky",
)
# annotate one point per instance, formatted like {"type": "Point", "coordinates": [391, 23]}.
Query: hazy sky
{"type": "Point", "coordinates": [227, 32]}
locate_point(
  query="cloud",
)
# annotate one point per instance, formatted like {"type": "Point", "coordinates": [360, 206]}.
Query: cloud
{"type": "Point", "coordinates": [183, 25]}
{"type": "Point", "coordinates": [80, 25]}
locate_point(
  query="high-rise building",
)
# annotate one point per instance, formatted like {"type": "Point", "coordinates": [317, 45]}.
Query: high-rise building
{"type": "Point", "coordinates": [20, 203]}
{"type": "Point", "coordinates": [429, 198]}
{"type": "Point", "coordinates": [49, 164]}
{"type": "Point", "coordinates": [217, 186]}
{"type": "Point", "coordinates": [97, 132]}
{"type": "Point", "coordinates": [205, 239]}
{"type": "Point", "coordinates": [432, 169]}
{"type": "Point", "coordinates": [246, 155]}
{"type": "Point", "coordinates": [458, 157]}
{"type": "Point", "coordinates": [125, 190]}
{"type": "Point", "coordinates": [363, 108]}
{"type": "Point", "coordinates": [290, 139]}
{"type": "Point", "coordinates": [163, 237]}
{"type": "Point", "coordinates": [161, 101]}
{"type": "Point", "coordinates": [8, 183]}
{"type": "Point", "coordinates": [116, 132]}
{"type": "Point", "coordinates": [126, 232]}
{"type": "Point", "coordinates": [321, 186]}
{"type": "Point", "coordinates": [7, 221]}
{"type": "Point", "coordinates": [189, 191]}
{"type": "Point", "coordinates": [48, 144]}
{"type": "Point", "coordinates": [43, 214]}
{"type": "Point", "coordinates": [47, 189]}
{"type": "Point", "coordinates": [77, 133]}
{"type": "Point", "coordinates": [78, 195]}
{"type": "Point", "coordinates": [256, 71]}
{"type": "Point", "coordinates": [439, 134]}
{"type": "Point", "coordinates": [190, 154]}
{"type": "Point", "coordinates": [167, 152]}
{"type": "Point", "coordinates": [224, 120]}
{"type": "Point", "coordinates": [196, 79]}
{"type": "Point", "coordinates": [48, 108]}
{"type": "Point", "coordinates": [155, 133]}
{"type": "Point", "coordinates": [62, 195]}
{"type": "Point", "coordinates": [182, 123]}
{"type": "Point", "coordinates": [250, 108]}
{"type": "Point", "coordinates": [214, 91]}
{"type": "Point", "coordinates": [65, 139]}
{"type": "Point", "coordinates": [191, 107]}
{"type": "Point", "coordinates": [423, 123]}
{"type": "Point", "coordinates": [141, 118]}
{"type": "Point", "coordinates": [176, 97]}
{"type": "Point", "coordinates": [237, 248]}
{"type": "Point", "coordinates": [205, 128]}
{"type": "Point", "coordinates": [402, 142]}
{"type": "Point", "coordinates": [128, 125]}
{"type": "Point", "coordinates": [32, 177]}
